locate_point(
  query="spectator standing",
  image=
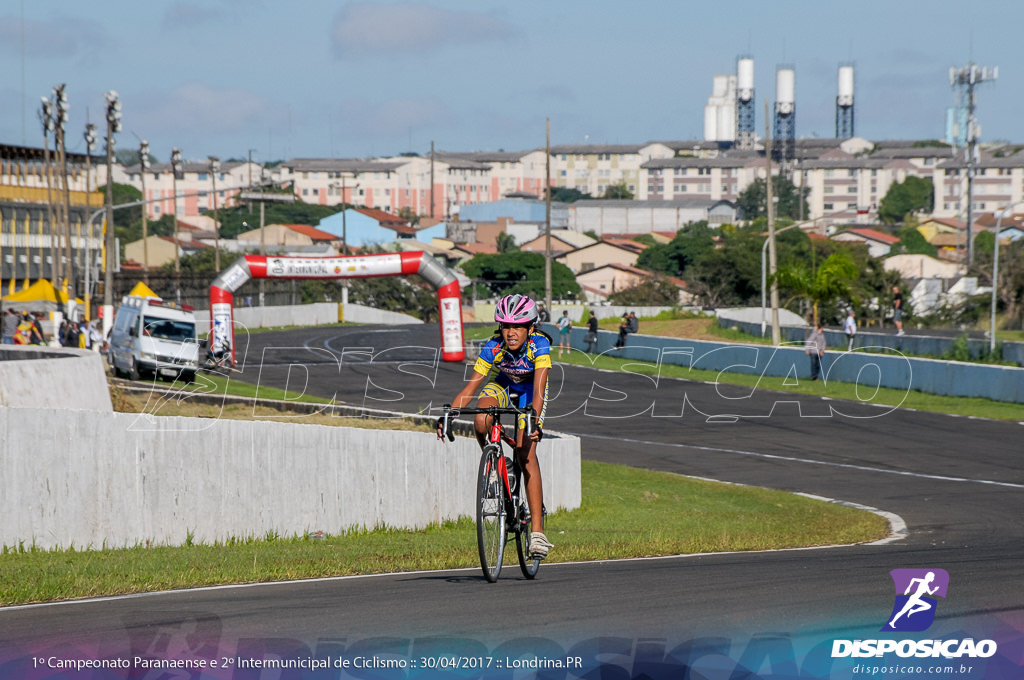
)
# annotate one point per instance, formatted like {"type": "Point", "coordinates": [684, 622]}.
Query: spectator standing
{"type": "Point", "coordinates": [632, 323]}
{"type": "Point", "coordinates": [543, 315]}
{"type": "Point", "coordinates": [815, 349]}
{"type": "Point", "coordinates": [39, 337]}
{"type": "Point", "coordinates": [10, 326]}
{"type": "Point", "coordinates": [897, 309]}
{"type": "Point", "coordinates": [591, 337]}
{"type": "Point", "coordinates": [564, 326]}
{"type": "Point", "coordinates": [620, 342]}
{"type": "Point", "coordinates": [851, 329]}
{"type": "Point", "coordinates": [96, 336]}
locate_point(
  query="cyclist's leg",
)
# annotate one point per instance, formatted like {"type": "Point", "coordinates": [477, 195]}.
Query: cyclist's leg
{"type": "Point", "coordinates": [526, 453]}
{"type": "Point", "coordinates": [492, 394]}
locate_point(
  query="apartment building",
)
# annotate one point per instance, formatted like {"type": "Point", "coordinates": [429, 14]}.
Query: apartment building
{"type": "Point", "coordinates": [201, 187]}
{"type": "Point", "coordinates": [998, 182]}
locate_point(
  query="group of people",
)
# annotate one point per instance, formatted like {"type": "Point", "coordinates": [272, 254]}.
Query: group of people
{"type": "Point", "coordinates": [27, 329]}
{"type": "Point", "coordinates": [629, 324]}
{"type": "Point", "coordinates": [815, 343]}
{"type": "Point", "coordinates": [22, 329]}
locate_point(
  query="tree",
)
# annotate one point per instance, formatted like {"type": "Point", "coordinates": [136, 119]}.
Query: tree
{"type": "Point", "coordinates": [792, 202]}
{"type": "Point", "coordinates": [617, 191]}
{"type": "Point", "coordinates": [688, 245]}
{"type": "Point", "coordinates": [520, 272]}
{"type": "Point", "coordinates": [911, 195]}
{"type": "Point", "coordinates": [913, 241]}
{"type": "Point", "coordinates": [567, 195]}
{"type": "Point", "coordinates": [651, 290]}
{"type": "Point", "coordinates": [831, 280]}
{"type": "Point", "coordinates": [506, 243]}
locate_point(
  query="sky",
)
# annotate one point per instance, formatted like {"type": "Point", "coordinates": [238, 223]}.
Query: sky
{"type": "Point", "coordinates": [365, 78]}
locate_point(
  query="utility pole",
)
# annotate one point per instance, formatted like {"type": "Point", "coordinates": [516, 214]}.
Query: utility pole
{"type": "Point", "coordinates": [770, 211]}
{"type": "Point", "coordinates": [109, 247]}
{"type": "Point", "coordinates": [214, 169]}
{"type": "Point", "coordinates": [547, 219]}
{"type": "Point", "coordinates": [175, 171]}
{"type": "Point", "coordinates": [432, 180]}
{"type": "Point", "coordinates": [143, 167]}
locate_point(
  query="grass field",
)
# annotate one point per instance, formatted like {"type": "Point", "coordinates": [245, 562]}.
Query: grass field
{"type": "Point", "coordinates": [625, 513]}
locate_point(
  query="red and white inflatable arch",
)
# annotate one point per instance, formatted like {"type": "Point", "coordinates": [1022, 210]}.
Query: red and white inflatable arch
{"type": "Point", "coordinates": [449, 301]}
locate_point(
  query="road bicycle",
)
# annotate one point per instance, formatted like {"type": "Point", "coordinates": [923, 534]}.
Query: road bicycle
{"type": "Point", "coordinates": [502, 512]}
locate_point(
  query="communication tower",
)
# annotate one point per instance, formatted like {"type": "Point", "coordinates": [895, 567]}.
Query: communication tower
{"type": "Point", "coordinates": [963, 131]}
{"type": "Point", "coordinates": [844, 103]}
{"type": "Point", "coordinates": [745, 132]}
{"type": "Point", "coordinates": [784, 132]}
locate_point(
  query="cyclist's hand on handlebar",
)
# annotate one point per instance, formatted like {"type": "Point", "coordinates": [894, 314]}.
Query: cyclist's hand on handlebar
{"type": "Point", "coordinates": [536, 434]}
{"type": "Point", "coordinates": [439, 426]}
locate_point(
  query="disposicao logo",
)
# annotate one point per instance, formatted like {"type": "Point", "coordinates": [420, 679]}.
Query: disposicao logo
{"type": "Point", "coordinates": [916, 589]}
{"type": "Point", "coordinates": [914, 611]}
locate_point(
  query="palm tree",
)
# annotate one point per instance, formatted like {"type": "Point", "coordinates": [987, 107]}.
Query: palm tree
{"type": "Point", "coordinates": [831, 280]}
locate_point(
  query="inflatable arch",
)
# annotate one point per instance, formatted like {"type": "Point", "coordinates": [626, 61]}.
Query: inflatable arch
{"type": "Point", "coordinates": [449, 300]}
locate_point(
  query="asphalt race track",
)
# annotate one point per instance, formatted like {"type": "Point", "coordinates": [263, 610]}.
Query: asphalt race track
{"type": "Point", "coordinates": [957, 484]}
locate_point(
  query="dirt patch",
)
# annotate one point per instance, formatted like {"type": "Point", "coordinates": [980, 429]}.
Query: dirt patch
{"type": "Point", "coordinates": [691, 329]}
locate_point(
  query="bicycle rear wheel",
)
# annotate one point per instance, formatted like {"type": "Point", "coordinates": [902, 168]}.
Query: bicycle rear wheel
{"type": "Point", "coordinates": [491, 514]}
{"type": "Point", "coordinates": [527, 564]}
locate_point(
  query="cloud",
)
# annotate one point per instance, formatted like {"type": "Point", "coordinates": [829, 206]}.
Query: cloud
{"type": "Point", "coordinates": [366, 29]}
{"type": "Point", "coordinates": [195, 106]}
{"type": "Point", "coordinates": [393, 119]}
{"type": "Point", "coordinates": [63, 37]}
{"type": "Point", "coordinates": [186, 15]}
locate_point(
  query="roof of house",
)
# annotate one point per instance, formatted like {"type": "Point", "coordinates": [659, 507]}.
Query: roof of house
{"type": "Point", "coordinates": [477, 248]}
{"type": "Point", "coordinates": [385, 219]}
{"type": "Point", "coordinates": [946, 221]}
{"type": "Point", "coordinates": [871, 234]}
{"type": "Point", "coordinates": [636, 271]}
{"type": "Point", "coordinates": [311, 232]}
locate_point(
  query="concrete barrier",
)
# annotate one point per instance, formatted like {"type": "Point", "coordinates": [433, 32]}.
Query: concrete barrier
{"type": "Point", "coordinates": [921, 345]}
{"type": "Point", "coordinates": [867, 368]}
{"type": "Point", "coordinates": [92, 480]}
{"type": "Point", "coordinates": [53, 377]}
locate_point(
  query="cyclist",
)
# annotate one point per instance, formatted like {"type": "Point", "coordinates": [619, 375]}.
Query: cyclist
{"type": "Point", "coordinates": [520, 354]}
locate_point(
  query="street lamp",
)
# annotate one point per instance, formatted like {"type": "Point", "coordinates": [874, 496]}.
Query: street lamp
{"type": "Point", "coordinates": [214, 169]}
{"type": "Point", "coordinates": [113, 126]}
{"type": "Point", "coordinates": [60, 101]}
{"type": "Point", "coordinates": [995, 277]}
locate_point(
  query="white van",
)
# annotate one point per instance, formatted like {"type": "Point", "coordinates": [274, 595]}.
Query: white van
{"type": "Point", "coordinates": [150, 337]}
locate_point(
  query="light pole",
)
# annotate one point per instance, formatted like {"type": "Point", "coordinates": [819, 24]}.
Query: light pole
{"type": "Point", "coordinates": [60, 101]}
{"type": "Point", "coordinates": [214, 169]}
{"type": "Point", "coordinates": [143, 166]}
{"type": "Point", "coordinates": [46, 118]}
{"type": "Point", "coordinates": [90, 147]}
{"type": "Point", "coordinates": [113, 125]}
{"type": "Point", "coordinates": [764, 284]}
{"type": "Point", "coordinates": [995, 277]}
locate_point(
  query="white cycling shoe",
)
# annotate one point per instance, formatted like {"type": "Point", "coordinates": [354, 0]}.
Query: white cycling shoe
{"type": "Point", "coordinates": [539, 545]}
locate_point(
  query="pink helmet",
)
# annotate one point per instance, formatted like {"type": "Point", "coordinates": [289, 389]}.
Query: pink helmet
{"type": "Point", "coordinates": [517, 309]}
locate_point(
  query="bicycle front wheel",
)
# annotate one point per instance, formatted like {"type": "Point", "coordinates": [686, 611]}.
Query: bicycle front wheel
{"type": "Point", "coordinates": [491, 514]}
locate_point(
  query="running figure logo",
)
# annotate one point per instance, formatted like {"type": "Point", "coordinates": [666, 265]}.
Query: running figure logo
{"type": "Point", "coordinates": [915, 605]}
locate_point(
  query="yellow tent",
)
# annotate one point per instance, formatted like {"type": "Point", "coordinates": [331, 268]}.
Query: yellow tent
{"type": "Point", "coordinates": [142, 290]}
{"type": "Point", "coordinates": [41, 296]}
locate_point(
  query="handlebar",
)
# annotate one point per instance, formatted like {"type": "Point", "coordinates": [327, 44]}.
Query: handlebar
{"type": "Point", "coordinates": [448, 413]}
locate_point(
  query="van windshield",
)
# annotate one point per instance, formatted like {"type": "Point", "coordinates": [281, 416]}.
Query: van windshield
{"type": "Point", "coordinates": [165, 329]}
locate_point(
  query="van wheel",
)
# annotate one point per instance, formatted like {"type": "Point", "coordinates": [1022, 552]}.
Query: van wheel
{"type": "Point", "coordinates": [133, 370]}
{"type": "Point", "coordinates": [187, 377]}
